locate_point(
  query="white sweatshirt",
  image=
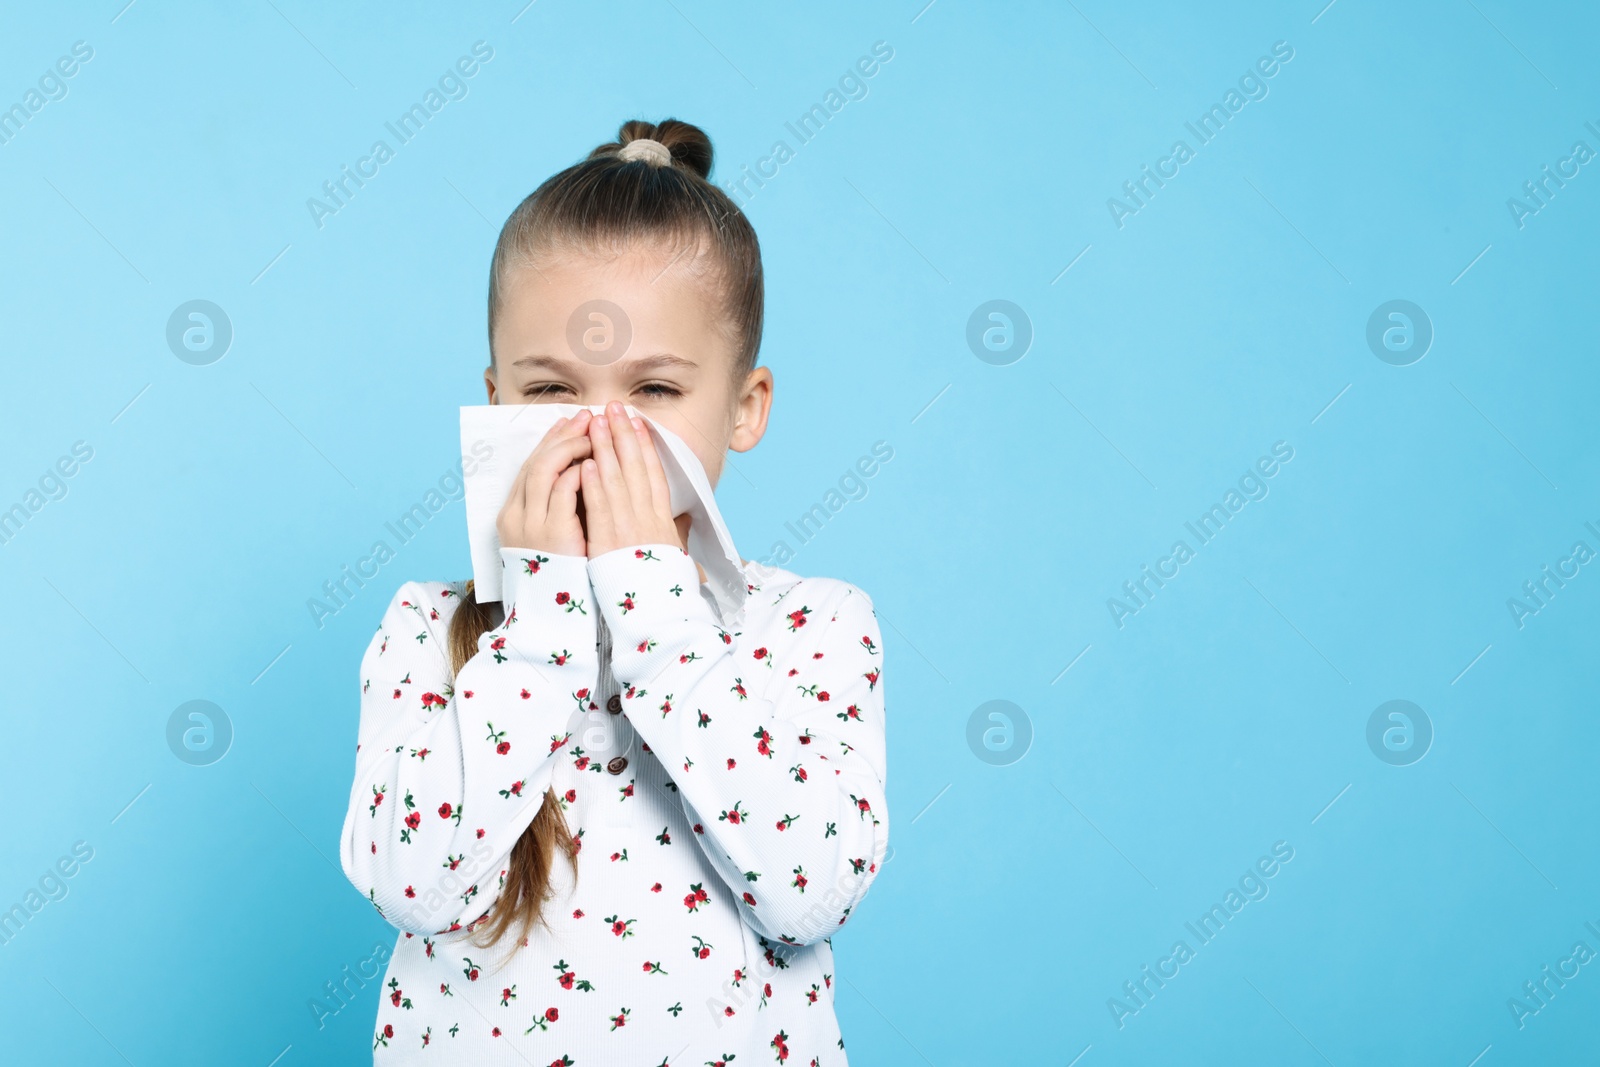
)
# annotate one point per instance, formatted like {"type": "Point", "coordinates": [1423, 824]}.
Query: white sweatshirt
{"type": "Point", "coordinates": [725, 789]}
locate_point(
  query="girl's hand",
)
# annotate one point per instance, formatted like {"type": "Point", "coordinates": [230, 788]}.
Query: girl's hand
{"type": "Point", "coordinates": [541, 510]}
{"type": "Point", "coordinates": [626, 498]}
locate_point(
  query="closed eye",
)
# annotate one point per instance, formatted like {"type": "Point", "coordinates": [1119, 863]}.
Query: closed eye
{"type": "Point", "coordinates": [655, 390]}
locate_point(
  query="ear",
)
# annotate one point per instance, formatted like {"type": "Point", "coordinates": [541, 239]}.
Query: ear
{"type": "Point", "coordinates": [488, 381]}
{"type": "Point", "coordinates": [751, 411]}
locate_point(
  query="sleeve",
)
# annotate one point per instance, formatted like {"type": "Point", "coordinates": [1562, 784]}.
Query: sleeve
{"type": "Point", "coordinates": [450, 772]}
{"type": "Point", "coordinates": [778, 753]}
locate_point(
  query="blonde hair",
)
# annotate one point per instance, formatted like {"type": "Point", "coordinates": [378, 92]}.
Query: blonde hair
{"type": "Point", "coordinates": [602, 204]}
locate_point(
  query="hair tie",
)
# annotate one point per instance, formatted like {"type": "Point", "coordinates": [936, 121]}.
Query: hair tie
{"type": "Point", "coordinates": [652, 152]}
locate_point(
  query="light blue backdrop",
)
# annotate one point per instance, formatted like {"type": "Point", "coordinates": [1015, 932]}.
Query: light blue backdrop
{"type": "Point", "coordinates": [1175, 340]}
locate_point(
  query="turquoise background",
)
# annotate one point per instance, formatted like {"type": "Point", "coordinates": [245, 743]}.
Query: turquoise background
{"type": "Point", "coordinates": [1227, 314]}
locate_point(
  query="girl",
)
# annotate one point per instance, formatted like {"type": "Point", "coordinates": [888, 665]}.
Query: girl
{"type": "Point", "coordinates": [613, 826]}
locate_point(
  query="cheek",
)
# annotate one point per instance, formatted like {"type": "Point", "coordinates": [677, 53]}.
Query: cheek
{"type": "Point", "coordinates": [712, 462]}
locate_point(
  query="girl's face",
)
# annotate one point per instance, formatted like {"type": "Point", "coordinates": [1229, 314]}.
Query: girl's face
{"type": "Point", "coordinates": [636, 328]}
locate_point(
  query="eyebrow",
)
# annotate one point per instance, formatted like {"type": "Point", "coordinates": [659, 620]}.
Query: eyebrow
{"type": "Point", "coordinates": [643, 363]}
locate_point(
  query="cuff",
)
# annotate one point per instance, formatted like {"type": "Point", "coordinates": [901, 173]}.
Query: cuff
{"type": "Point", "coordinates": [544, 593]}
{"type": "Point", "coordinates": [642, 590]}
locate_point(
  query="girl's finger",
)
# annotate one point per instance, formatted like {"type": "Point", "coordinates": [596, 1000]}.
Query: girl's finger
{"type": "Point", "coordinates": [545, 465]}
{"type": "Point", "coordinates": [564, 494]}
{"type": "Point", "coordinates": [605, 458]}
{"type": "Point", "coordinates": [526, 488]}
{"type": "Point", "coordinates": [596, 505]}
{"type": "Point", "coordinates": [660, 491]}
{"type": "Point", "coordinates": [625, 438]}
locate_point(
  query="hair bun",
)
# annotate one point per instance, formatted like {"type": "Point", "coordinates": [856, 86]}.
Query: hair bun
{"type": "Point", "coordinates": [687, 143]}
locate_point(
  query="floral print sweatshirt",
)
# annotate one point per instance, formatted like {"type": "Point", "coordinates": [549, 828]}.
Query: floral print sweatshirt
{"type": "Point", "coordinates": [724, 790]}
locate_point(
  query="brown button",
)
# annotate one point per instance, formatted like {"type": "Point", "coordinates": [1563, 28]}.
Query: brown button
{"type": "Point", "coordinates": [614, 705]}
{"type": "Point", "coordinates": [617, 765]}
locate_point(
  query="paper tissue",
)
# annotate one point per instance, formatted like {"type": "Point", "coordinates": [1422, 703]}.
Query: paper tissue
{"type": "Point", "coordinates": [511, 432]}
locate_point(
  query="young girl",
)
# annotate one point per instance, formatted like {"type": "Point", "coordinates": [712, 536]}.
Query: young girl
{"type": "Point", "coordinates": [611, 828]}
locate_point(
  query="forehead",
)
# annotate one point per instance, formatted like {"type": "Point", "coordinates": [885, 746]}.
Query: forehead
{"type": "Point", "coordinates": [660, 297]}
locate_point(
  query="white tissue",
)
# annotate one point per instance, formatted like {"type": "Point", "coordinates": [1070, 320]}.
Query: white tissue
{"type": "Point", "coordinates": [511, 431]}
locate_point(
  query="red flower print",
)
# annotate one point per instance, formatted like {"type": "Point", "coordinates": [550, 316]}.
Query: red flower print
{"type": "Point", "coordinates": [551, 1014]}
{"type": "Point", "coordinates": [444, 810]}
{"type": "Point", "coordinates": [414, 820]}
{"type": "Point", "coordinates": [432, 699]}
{"type": "Point", "coordinates": [750, 900]}
{"type": "Point", "coordinates": [388, 1030]}
{"type": "Point", "coordinates": [503, 747]}
{"type": "Point", "coordinates": [411, 893]}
